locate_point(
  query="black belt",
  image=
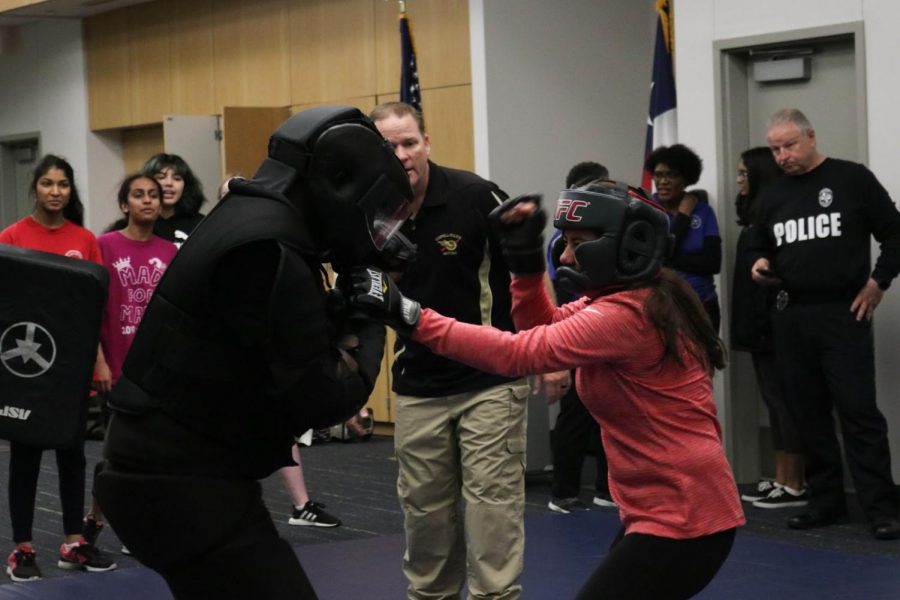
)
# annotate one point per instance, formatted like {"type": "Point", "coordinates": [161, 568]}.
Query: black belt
{"type": "Point", "coordinates": [784, 298]}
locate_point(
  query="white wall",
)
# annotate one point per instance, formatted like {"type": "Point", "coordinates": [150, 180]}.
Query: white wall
{"type": "Point", "coordinates": [700, 23]}
{"type": "Point", "coordinates": [558, 83]}
{"type": "Point", "coordinates": [43, 89]}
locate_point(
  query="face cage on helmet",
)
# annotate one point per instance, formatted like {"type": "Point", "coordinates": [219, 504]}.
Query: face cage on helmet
{"type": "Point", "coordinates": [385, 211]}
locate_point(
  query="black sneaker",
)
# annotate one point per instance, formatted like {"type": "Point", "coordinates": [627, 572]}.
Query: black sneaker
{"type": "Point", "coordinates": [312, 515]}
{"type": "Point", "coordinates": [91, 529]}
{"type": "Point", "coordinates": [85, 557]}
{"type": "Point", "coordinates": [763, 488]}
{"type": "Point", "coordinates": [566, 505]}
{"type": "Point", "coordinates": [604, 499]}
{"type": "Point", "coordinates": [783, 497]}
{"type": "Point", "coordinates": [22, 565]}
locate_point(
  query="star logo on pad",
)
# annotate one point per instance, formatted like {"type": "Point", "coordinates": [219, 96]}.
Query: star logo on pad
{"type": "Point", "coordinates": [27, 349]}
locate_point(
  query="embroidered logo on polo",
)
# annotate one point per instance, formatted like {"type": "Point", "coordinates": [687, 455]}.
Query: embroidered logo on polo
{"type": "Point", "coordinates": [826, 197]}
{"type": "Point", "coordinates": [448, 243]}
{"type": "Point", "coordinates": [696, 222]}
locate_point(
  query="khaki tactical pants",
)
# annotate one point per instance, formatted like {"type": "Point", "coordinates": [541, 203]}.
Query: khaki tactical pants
{"type": "Point", "coordinates": [468, 447]}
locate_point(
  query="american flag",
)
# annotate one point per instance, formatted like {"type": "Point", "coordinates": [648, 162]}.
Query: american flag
{"type": "Point", "coordinates": [409, 72]}
{"type": "Point", "coordinates": [662, 125]}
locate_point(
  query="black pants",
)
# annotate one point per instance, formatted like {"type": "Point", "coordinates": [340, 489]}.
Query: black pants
{"type": "Point", "coordinates": [770, 381]}
{"type": "Point", "coordinates": [207, 537]}
{"type": "Point", "coordinates": [829, 360]}
{"type": "Point", "coordinates": [24, 468]}
{"type": "Point", "coordinates": [715, 313]}
{"type": "Point", "coordinates": [645, 567]}
{"type": "Point", "coordinates": [576, 433]}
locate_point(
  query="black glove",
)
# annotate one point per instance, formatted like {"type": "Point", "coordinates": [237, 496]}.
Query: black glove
{"type": "Point", "coordinates": [523, 242]}
{"type": "Point", "coordinates": [363, 340]}
{"type": "Point", "coordinates": [374, 293]}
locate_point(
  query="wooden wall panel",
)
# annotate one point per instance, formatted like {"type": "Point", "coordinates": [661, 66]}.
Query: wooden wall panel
{"type": "Point", "coordinates": [191, 57]}
{"type": "Point", "coordinates": [441, 37]}
{"type": "Point", "coordinates": [365, 104]}
{"type": "Point", "coordinates": [106, 43]}
{"type": "Point", "coordinates": [139, 144]}
{"type": "Point", "coordinates": [246, 136]}
{"type": "Point", "coordinates": [332, 50]}
{"type": "Point", "coordinates": [148, 31]}
{"type": "Point", "coordinates": [251, 53]}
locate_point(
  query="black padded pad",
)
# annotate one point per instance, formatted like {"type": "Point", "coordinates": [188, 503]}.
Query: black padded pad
{"type": "Point", "coordinates": [50, 313]}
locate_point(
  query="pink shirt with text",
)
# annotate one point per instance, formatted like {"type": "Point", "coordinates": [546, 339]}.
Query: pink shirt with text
{"type": "Point", "coordinates": [135, 268]}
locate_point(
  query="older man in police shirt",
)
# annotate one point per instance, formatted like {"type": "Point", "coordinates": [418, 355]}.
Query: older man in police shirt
{"type": "Point", "coordinates": [814, 243]}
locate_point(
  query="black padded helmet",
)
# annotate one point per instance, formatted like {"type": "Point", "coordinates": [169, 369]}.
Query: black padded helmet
{"type": "Point", "coordinates": [347, 178]}
{"type": "Point", "coordinates": [634, 235]}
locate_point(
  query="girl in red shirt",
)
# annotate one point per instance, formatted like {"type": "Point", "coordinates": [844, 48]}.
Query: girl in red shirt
{"type": "Point", "coordinates": [54, 226]}
{"type": "Point", "coordinates": [644, 350]}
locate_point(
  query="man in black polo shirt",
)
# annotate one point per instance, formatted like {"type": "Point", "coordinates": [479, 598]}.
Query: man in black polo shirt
{"type": "Point", "coordinates": [459, 432]}
{"type": "Point", "coordinates": [816, 224]}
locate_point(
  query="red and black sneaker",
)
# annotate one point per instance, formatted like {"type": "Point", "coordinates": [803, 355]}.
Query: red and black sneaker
{"type": "Point", "coordinates": [22, 565]}
{"type": "Point", "coordinates": [85, 557]}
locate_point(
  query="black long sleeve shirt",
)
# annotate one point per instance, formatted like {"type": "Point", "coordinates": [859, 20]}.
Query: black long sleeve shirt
{"type": "Point", "coordinates": [815, 230]}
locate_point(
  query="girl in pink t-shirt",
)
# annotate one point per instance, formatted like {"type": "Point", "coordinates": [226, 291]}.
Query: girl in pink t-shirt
{"type": "Point", "coordinates": [136, 260]}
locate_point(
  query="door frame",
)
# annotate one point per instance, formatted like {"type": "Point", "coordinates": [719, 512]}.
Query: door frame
{"type": "Point", "coordinates": [7, 188]}
{"type": "Point", "coordinates": [741, 416]}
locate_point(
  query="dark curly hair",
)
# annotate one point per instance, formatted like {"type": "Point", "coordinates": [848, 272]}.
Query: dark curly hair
{"type": "Point", "coordinates": [74, 209]}
{"type": "Point", "coordinates": [678, 157]}
{"type": "Point", "coordinates": [192, 197]}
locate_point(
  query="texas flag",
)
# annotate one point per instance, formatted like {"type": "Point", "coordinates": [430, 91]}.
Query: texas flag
{"type": "Point", "coordinates": [662, 125]}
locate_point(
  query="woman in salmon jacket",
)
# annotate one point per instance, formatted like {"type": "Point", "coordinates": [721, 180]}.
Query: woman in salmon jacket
{"type": "Point", "coordinates": [645, 352]}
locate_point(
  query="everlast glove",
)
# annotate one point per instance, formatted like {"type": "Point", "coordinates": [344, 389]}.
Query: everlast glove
{"type": "Point", "coordinates": [522, 242]}
{"type": "Point", "coordinates": [374, 293]}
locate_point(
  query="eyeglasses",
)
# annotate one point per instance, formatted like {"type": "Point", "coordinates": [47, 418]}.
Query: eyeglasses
{"type": "Point", "coordinates": [667, 175]}
{"type": "Point", "coordinates": [741, 174]}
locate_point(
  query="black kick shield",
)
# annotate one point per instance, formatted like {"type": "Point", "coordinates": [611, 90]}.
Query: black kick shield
{"type": "Point", "coordinates": [50, 313]}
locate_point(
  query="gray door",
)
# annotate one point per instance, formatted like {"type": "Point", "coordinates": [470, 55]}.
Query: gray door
{"type": "Point", "coordinates": [832, 99]}
{"type": "Point", "coordinates": [197, 139]}
{"type": "Point", "coordinates": [17, 161]}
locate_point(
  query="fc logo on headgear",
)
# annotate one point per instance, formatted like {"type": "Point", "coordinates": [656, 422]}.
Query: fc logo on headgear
{"type": "Point", "coordinates": [568, 209]}
{"type": "Point", "coordinates": [27, 349]}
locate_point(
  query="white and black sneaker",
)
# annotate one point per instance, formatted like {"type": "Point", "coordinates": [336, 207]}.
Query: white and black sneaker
{"type": "Point", "coordinates": [566, 505]}
{"type": "Point", "coordinates": [764, 487]}
{"type": "Point", "coordinates": [312, 515]}
{"type": "Point", "coordinates": [783, 497]}
{"type": "Point", "coordinates": [604, 499]}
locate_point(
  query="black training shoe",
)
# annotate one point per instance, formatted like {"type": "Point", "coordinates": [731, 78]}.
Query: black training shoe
{"type": "Point", "coordinates": [22, 565]}
{"type": "Point", "coordinates": [763, 488]}
{"type": "Point", "coordinates": [566, 505]}
{"type": "Point", "coordinates": [783, 497]}
{"type": "Point", "coordinates": [312, 515]}
{"type": "Point", "coordinates": [604, 499]}
{"type": "Point", "coordinates": [91, 529]}
{"type": "Point", "coordinates": [85, 557]}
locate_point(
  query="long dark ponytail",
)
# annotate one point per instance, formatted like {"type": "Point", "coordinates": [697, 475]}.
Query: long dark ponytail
{"type": "Point", "coordinates": [674, 308]}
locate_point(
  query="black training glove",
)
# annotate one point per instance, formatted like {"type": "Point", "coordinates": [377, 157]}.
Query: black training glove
{"type": "Point", "coordinates": [374, 293]}
{"type": "Point", "coordinates": [522, 242]}
{"type": "Point", "coordinates": [363, 340]}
